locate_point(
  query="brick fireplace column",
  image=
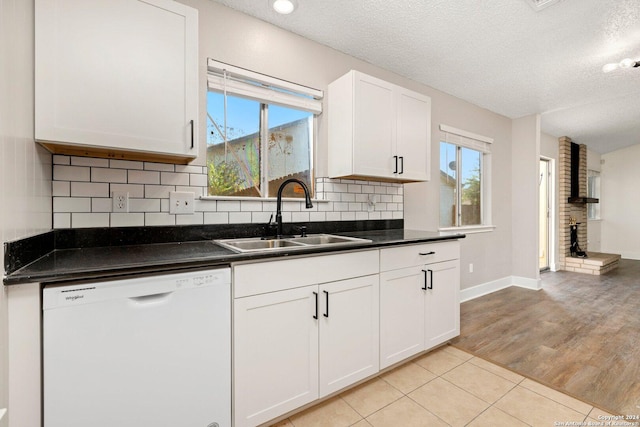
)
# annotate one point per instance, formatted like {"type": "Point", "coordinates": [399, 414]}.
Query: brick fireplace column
{"type": "Point", "coordinates": [567, 210]}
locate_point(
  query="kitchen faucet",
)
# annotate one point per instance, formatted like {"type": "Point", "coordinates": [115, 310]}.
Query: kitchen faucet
{"type": "Point", "coordinates": [307, 199]}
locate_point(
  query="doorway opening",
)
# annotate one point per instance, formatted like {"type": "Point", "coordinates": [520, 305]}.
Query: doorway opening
{"type": "Point", "coordinates": [545, 227]}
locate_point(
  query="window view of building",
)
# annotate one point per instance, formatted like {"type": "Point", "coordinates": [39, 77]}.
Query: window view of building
{"type": "Point", "coordinates": [593, 190]}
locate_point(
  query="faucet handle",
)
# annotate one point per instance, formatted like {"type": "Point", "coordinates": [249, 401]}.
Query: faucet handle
{"type": "Point", "coordinates": [269, 228]}
{"type": "Point", "coordinates": [303, 230]}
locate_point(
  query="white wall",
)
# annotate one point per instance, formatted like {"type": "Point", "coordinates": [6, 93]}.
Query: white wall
{"type": "Point", "coordinates": [25, 169]}
{"type": "Point", "coordinates": [525, 203]}
{"type": "Point", "coordinates": [619, 202]}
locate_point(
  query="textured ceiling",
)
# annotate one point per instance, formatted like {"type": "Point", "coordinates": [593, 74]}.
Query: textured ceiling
{"type": "Point", "coordinates": [498, 54]}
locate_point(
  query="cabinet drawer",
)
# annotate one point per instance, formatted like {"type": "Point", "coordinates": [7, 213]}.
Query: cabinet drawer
{"type": "Point", "coordinates": [262, 277]}
{"type": "Point", "coordinates": [410, 255]}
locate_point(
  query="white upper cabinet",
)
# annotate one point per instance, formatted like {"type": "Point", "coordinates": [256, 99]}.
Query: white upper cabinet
{"type": "Point", "coordinates": [117, 78]}
{"type": "Point", "coordinates": [378, 130]}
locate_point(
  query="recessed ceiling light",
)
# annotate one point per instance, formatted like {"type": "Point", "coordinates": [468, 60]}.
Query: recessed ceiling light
{"type": "Point", "coordinates": [283, 7]}
{"type": "Point", "coordinates": [538, 5]}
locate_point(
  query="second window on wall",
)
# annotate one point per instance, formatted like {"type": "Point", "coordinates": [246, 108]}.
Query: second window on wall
{"type": "Point", "coordinates": [258, 134]}
{"type": "Point", "coordinates": [463, 167]}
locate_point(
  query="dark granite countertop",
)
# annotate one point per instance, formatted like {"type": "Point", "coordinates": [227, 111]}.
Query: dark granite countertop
{"type": "Point", "coordinates": [112, 261]}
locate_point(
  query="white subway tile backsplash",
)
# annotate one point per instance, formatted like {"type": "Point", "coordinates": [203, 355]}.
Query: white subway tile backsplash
{"type": "Point", "coordinates": [347, 216]}
{"type": "Point", "coordinates": [88, 220]}
{"type": "Point", "coordinates": [317, 216]}
{"type": "Point", "coordinates": [163, 167]}
{"type": "Point", "coordinates": [71, 173]}
{"type": "Point", "coordinates": [354, 188]}
{"type": "Point", "coordinates": [61, 188]}
{"type": "Point", "coordinates": [260, 217]}
{"type": "Point", "coordinates": [196, 218]}
{"type": "Point", "coordinates": [158, 191]}
{"type": "Point", "coordinates": [108, 175]}
{"type": "Point", "coordinates": [333, 216]}
{"type": "Point", "coordinates": [121, 219]}
{"type": "Point", "coordinates": [380, 190]}
{"type": "Point", "coordinates": [205, 205]}
{"type": "Point", "coordinates": [250, 205]}
{"type": "Point", "coordinates": [89, 189]}
{"type": "Point", "coordinates": [197, 180]}
{"type": "Point", "coordinates": [239, 217]}
{"type": "Point", "coordinates": [188, 169]}
{"type": "Point", "coordinates": [71, 204]}
{"type": "Point", "coordinates": [134, 190]}
{"type": "Point", "coordinates": [398, 215]}
{"type": "Point", "coordinates": [172, 178]}
{"type": "Point", "coordinates": [144, 205]}
{"type": "Point", "coordinates": [159, 218]}
{"type": "Point", "coordinates": [126, 164]}
{"type": "Point", "coordinates": [362, 216]}
{"type": "Point", "coordinates": [101, 205]}
{"type": "Point", "coordinates": [85, 185]}
{"type": "Point", "coordinates": [90, 161]}
{"type": "Point", "coordinates": [61, 220]}
{"type": "Point", "coordinates": [340, 206]}
{"type": "Point", "coordinates": [216, 217]}
{"type": "Point", "coordinates": [61, 160]}
{"type": "Point", "coordinates": [347, 197]}
{"type": "Point", "coordinates": [300, 216]}
{"type": "Point", "coordinates": [143, 177]}
{"type": "Point", "coordinates": [228, 205]}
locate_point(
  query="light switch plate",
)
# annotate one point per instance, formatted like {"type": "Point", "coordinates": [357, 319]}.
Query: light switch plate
{"type": "Point", "coordinates": [181, 202]}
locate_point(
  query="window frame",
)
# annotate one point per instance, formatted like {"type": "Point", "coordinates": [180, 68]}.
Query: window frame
{"type": "Point", "coordinates": [482, 144]}
{"type": "Point", "coordinates": [594, 207]}
{"type": "Point", "coordinates": [235, 81]}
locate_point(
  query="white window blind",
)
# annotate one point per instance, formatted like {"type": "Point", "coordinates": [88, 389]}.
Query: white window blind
{"type": "Point", "coordinates": [466, 139]}
{"type": "Point", "coordinates": [262, 88]}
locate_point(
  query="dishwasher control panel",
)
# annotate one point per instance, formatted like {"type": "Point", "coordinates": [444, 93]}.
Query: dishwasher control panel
{"type": "Point", "coordinates": [70, 295]}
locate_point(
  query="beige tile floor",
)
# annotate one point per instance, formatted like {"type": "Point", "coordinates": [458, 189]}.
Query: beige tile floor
{"type": "Point", "coordinates": [448, 387]}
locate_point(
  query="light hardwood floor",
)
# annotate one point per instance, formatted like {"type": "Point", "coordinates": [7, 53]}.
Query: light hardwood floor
{"type": "Point", "coordinates": [580, 334]}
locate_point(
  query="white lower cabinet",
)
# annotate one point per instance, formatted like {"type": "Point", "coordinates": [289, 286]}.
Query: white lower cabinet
{"type": "Point", "coordinates": [419, 304]}
{"type": "Point", "coordinates": [275, 354]}
{"type": "Point", "coordinates": [348, 323]}
{"type": "Point", "coordinates": [296, 345]}
{"type": "Point", "coordinates": [307, 327]}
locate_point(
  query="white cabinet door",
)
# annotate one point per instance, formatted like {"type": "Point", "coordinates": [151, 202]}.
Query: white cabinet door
{"type": "Point", "coordinates": [443, 302]}
{"type": "Point", "coordinates": [349, 332]}
{"type": "Point", "coordinates": [275, 354]}
{"type": "Point", "coordinates": [413, 142]}
{"type": "Point", "coordinates": [377, 130]}
{"type": "Point", "coordinates": [117, 76]}
{"type": "Point", "coordinates": [402, 308]}
{"type": "Point", "coordinates": [374, 127]}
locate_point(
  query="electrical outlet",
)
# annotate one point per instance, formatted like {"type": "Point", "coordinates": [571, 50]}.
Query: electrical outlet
{"type": "Point", "coordinates": [181, 202]}
{"type": "Point", "coordinates": [470, 268]}
{"type": "Point", "coordinates": [120, 201]}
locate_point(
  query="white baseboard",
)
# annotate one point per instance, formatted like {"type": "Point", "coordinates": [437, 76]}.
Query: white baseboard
{"type": "Point", "coordinates": [484, 289]}
{"type": "Point", "coordinates": [527, 283]}
{"type": "Point", "coordinates": [496, 285]}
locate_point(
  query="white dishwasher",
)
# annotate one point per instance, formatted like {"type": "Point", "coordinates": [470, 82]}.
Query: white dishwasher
{"type": "Point", "coordinates": [139, 352]}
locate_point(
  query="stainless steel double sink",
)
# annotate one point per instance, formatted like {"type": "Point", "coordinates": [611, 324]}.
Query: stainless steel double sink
{"type": "Point", "coordinates": [257, 244]}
